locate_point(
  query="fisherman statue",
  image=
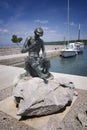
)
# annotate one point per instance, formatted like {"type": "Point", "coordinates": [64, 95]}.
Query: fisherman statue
{"type": "Point", "coordinates": [46, 94]}
{"type": "Point", "coordinates": [36, 65]}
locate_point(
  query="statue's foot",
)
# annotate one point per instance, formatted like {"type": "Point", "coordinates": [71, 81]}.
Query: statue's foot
{"type": "Point", "coordinates": [50, 76]}
{"type": "Point", "coordinates": [47, 77]}
{"type": "Point", "coordinates": [45, 80]}
{"type": "Point", "coordinates": [25, 76]}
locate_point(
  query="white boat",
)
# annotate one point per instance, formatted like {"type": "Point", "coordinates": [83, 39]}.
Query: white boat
{"type": "Point", "coordinates": [69, 51]}
{"type": "Point", "coordinates": [72, 49]}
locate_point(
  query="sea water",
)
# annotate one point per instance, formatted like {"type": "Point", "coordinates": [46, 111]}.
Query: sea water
{"type": "Point", "coordinates": [74, 65]}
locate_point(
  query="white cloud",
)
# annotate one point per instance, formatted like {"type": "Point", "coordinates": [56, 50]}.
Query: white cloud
{"type": "Point", "coordinates": [53, 31]}
{"type": "Point", "coordinates": [52, 35]}
{"type": "Point", "coordinates": [4, 30]}
{"type": "Point", "coordinates": [45, 28]}
{"type": "Point", "coordinates": [72, 24]}
{"type": "Point", "coordinates": [41, 21]}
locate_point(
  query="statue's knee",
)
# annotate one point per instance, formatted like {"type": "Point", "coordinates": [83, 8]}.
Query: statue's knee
{"type": "Point", "coordinates": [26, 64]}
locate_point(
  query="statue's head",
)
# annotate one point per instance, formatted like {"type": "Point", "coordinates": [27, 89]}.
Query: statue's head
{"type": "Point", "coordinates": [38, 31]}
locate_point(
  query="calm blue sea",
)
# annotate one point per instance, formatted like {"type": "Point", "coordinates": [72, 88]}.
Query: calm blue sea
{"type": "Point", "coordinates": [75, 65]}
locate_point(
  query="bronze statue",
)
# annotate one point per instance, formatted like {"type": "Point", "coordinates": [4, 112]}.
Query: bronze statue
{"type": "Point", "coordinates": [36, 65]}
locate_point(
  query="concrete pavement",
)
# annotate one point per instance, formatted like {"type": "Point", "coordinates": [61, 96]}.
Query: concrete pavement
{"type": "Point", "coordinates": [79, 81]}
{"type": "Point", "coordinates": [8, 74]}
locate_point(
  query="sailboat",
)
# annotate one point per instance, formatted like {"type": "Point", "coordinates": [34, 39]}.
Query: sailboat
{"type": "Point", "coordinates": [69, 50]}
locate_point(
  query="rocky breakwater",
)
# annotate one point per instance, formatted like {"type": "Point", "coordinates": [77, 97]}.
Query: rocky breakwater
{"type": "Point", "coordinates": [35, 98]}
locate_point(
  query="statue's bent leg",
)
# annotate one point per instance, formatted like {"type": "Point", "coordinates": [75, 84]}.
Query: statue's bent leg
{"type": "Point", "coordinates": [29, 69]}
{"type": "Point", "coordinates": [40, 74]}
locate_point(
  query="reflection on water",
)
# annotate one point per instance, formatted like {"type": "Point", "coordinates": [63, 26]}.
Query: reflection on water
{"type": "Point", "coordinates": [74, 65]}
{"type": "Point", "coordinates": [68, 61]}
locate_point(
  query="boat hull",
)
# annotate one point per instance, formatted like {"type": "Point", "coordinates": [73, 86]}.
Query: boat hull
{"type": "Point", "coordinates": [68, 53]}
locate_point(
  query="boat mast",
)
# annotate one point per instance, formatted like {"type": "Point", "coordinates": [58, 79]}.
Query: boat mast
{"type": "Point", "coordinates": [79, 33]}
{"type": "Point", "coordinates": [68, 22]}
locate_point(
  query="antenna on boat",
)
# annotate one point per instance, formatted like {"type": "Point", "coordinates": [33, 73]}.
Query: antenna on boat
{"type": "Point", "coordinates": [68, 22]}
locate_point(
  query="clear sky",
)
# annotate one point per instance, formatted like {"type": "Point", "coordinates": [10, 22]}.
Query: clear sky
{"type": "Point", "coordinates": [21, 17]}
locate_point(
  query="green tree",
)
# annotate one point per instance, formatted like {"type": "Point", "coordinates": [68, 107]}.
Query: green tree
{"type": "Point", "coordinates": [16, 39]}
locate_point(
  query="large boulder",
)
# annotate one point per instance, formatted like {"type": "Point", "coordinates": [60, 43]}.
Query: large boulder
{"type": "Point", "coordinates": [36, 98]}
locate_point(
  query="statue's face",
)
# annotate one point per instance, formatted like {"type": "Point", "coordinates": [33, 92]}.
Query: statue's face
{"type": "Point", "coordinates": [37, 36]}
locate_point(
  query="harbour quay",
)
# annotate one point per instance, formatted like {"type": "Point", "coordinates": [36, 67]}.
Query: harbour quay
{"type": "Point", "coordinates": [13, 56]}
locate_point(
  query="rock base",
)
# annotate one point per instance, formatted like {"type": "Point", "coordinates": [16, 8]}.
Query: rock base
{"type": "Point", "coordinates": [35, 98]}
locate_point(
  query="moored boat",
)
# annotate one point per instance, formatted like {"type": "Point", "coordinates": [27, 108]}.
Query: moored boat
{"type": "Point", "coordinates": [72, 49]}
{"type": "Point", "coordinates": [68, 51]}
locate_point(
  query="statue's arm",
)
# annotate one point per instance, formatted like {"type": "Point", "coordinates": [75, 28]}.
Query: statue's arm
{"type": "Point", "coordinates": [43, 51]}
{"type": "Point", "coordinates": [26, 47]}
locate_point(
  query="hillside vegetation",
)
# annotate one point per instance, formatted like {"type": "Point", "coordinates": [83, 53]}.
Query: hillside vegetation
{"type": "Point", "coordinates": [64, 42]}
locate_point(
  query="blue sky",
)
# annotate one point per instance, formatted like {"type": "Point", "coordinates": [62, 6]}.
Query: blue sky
{"type": "Point", "coordinates": [21, 17]}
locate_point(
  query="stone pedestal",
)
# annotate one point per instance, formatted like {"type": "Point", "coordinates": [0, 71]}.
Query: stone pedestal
{"type": "Point", "coordinates": [35, 98]}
